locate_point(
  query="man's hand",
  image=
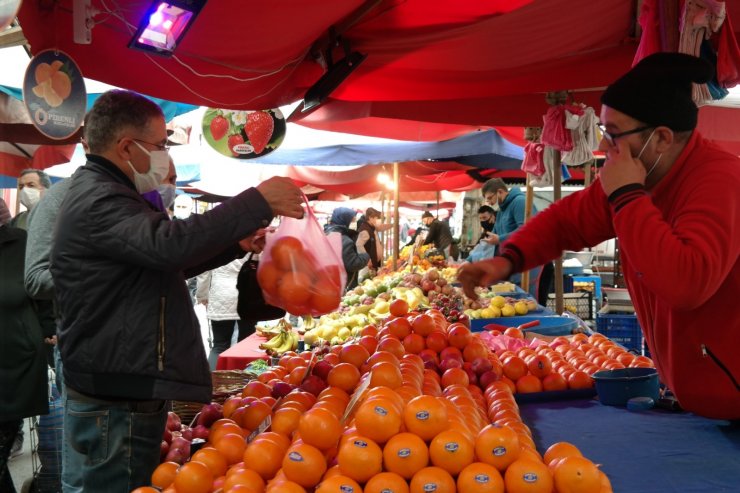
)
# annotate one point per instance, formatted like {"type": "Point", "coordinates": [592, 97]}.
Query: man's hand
{"type": "Point", "coordinates": [254, 243]}
{"type": "Point", "coordinates": [284, 198]}
{"type": "Point", "coordinates": [492, 239]}
{"type": "Point", "coordinates": [483, 273]}
{"type": "Point", "coordinates": [621, 168]}
{"type": "Point", "coordinates": [51, 340]}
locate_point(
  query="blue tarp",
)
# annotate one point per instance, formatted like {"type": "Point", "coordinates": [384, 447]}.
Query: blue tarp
{"type": "Point", "coordinates": [170, 109]}
{"type": "Point", "coordinates": [490, 149]}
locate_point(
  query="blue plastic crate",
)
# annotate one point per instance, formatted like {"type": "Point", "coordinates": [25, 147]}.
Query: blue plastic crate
{"type": "Point", "coordinates": [623, 329]}
{"type": "Point", "coordinates": [549, 325]}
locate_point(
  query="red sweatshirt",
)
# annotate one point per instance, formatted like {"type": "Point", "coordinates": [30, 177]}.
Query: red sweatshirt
{"type": "Point", "coordinates": [680, 252]}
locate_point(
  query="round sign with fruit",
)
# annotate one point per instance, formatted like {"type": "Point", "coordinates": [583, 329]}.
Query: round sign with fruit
{"type": "Point", "coordinates": [244, 134]}
{"type": "Point", "coordinates": [54, 94]}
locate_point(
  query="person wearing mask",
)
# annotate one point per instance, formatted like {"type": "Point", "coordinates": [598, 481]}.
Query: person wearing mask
{"type": "Point", "coordinates": [23, 379]}
{"type": "Point", "coordinates": [32, 184]}
{"type": "Point", "coordinates": [671, 199]}
{"type": "Point", "coordinates": [183, 206]}
{"type": "Point", "coordinates": [372, 222]}
{"type": "Point", "coordinates": [354, 255]}
{"type": "Point", "coordinates": [439, 233]}
{"type": "Point", "coordinates": [129, 337]}
{"type": "Point", "coordinates": [485, 248]}
{"type": "Point", "coordinates": [216, 289]}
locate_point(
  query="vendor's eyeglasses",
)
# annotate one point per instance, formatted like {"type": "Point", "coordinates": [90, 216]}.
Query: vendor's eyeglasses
{"type": "Point", "coordinates": [611, 138]}
{"type": "Point", "coordinates": [161, 147]}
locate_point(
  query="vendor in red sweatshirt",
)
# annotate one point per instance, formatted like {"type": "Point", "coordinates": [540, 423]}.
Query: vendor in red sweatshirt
{"type": "Point", "coordinates": [673, 201]}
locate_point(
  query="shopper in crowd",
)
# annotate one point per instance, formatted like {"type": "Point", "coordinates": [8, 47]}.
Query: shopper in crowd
{"type": "Point", "coordinates": [32, 184]}
{"type": "Point", "coordinates": [487, 218]}
{"type": "Point", "coordinates": [216, 289]}
{"type": "Point", "coordinates": [509, 206]}
{"type": "Point", "coordinates": [129, 338]}
{"type": "Point", "coordinates": [485, 248]}
{"type": "Point", "coordinates": [671, 199]}
{"type": "Point", "coordinates": [183, 206]}
{"type": "Point", "coordinates": [354, 255]}
{"type": "Point", "coordinates": [163, 197]}
{"type": "Point", "coordinates": [372, 222]}
{"type": "Point", "coordinates": [439, 233]}
{"type": "Point", "coordinates": [23, 381]}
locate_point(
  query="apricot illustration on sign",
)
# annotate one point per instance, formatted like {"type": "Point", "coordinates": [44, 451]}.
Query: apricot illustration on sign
{"type": "Point", "coordinates": [52, 84]}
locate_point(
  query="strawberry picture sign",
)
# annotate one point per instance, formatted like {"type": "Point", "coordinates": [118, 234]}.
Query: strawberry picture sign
{"type": "Point", "coordinates": [244, 134]}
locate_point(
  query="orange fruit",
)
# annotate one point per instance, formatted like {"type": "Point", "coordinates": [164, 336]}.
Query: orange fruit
{"type": "Point", "coordinates": [413, 343]}
{"type": "Point", "coordinates": [576, 475]}
{"type": "Point", "coordinates": [525, 476]}
{"type": "Point", "coordinates": [285, 420]}
{"type": "Point", "coordinates": [399, 328]}
{"type": "Point", "coordinates": [480, 477]}
{"type": "Point", "coordinates": [325, 296]}
{"type": "Point", "coordinates": [211, 457]}
{"type": "Point", "coordinates": [231, 446]}
{"type": "Point", "coordinates": [436, 341]}
{"type": "Point", "coordinates": [554, 382]}
{"type": "Point", "coordinates": [515, 368]}
{"type": "Point", "coordinates": [268, 277]}
{"type": "Point", "coordinates": [354, 354]}
{"type": "Point", "coordinates": [580, 380]}
{"type": "Point", "coordinates": [560, 450]}
{"type": "Point", "coordinates": [476, 349]}
{"type": "Point", "coordinates": [539, 366]}
{"type": "Point", "coordinates": [255, 413]}
{"type": "Point", "coordinates": [393, 346]}
{"type": "Point", "coordinates": [455, 376]}
{"type": "Point", "coordinates": [369, 342]}
{"type": "Point", "coordinates": [193, 477]}
{"type": "Point", "coordinates": [295, 288]}
{"type": "Point", "coordinates": [425, 416]}
{"type": "Point", "coordinates": [145, 489]}
{"type": "Point", "coordinates": [423, 324]}
{"type": "Point", "coordinates": [606, 485]}
{"type": "Point", "coordinates": [452, 451]}
{"type": "Point", "coordinates": [304, 464]}
{"type": "Point", "coordinates": [245, 478]}
{"type": "Point", "coordinates": [432, 479]}
{"type": "Point", "coordinates": [378, 420]}
{"type": "Point", "coordinates": [345, 376]}
{"type": "Point", "coordinates": [264, 457]}
{"type": "Point", "coordinates": [360, 458]}
{"type": "Point", "coordinates": [216, 434]}
{"type": "Point", "coordinates": [382, 356]}
{"type": "Point", "coordinates": [320, 428]}
{"type": "Point", "coordinates": [459, 336]}
{"type": "Point", "coordinates": [399, 307]}
{"type": "Point", "coordinates": [338, 484]}
{"type": "Point", "coordinates": [164, 474]}
{"type": "Point", "coordinates": [497, 446]}
{"type": "Point", "coordinates": [386, 482]}
{"type": "Point", "coordinates": [284, 487]}
{"type": "Point", "coordinates": [405, 454]}
{"type": "Point", "coordinates": [369, 330]}
{"type": "Point", "coordinates": [528, 384]}
{"type": "Point", "coordinates": [286, 251]}
{"type": "Point", "coordinates": [385, 374]}
{"type": "Point", "coordinates": [272, 436]}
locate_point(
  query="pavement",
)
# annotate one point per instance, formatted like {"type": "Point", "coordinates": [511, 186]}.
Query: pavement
{"type": "Point", "coordinates": [23, 467]}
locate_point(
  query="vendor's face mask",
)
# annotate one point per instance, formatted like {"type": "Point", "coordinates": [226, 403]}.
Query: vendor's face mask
{"type": "Point", "coordinates": [652, 168]}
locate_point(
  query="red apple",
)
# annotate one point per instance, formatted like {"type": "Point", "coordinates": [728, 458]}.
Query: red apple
{"type": "Point", "coordinates": [281, 389]}
{"type": "Point", "coordinates": [487, 378]}
{"type": "Point", "coordinates": [187, 433]}
{"type": "Point", "coordinates": [481, 365]}
{"type": "Point", "coordinates": [173, 421]}
{"type": "Point", "coordinates": [164, 448]}
{"type": "Point", "coordinates": [313, 385]}
{"type": "Point", "coordinates": [321, 369]}
{"type": "Point", "coordinates": [210, 413]}
{"type": "Point", "coordinates": [201, 431]}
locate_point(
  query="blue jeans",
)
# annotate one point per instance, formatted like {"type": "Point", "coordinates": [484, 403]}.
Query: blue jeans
{"type": "Point", "coordinates": [115, 445]}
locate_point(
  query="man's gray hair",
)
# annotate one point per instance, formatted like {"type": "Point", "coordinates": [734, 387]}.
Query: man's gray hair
{"type": "Point", "coordinates": [44, 179]}
{"type": "Point", "coordinates": [115, 112]}
{"type": "Point", "coordinates": [493, 185]}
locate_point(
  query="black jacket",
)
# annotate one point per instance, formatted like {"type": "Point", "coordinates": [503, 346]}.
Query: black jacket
{"type": "Point", "coordinates": [371, 247]}
{"type": "Point", "coordinates": [352, 259]}
{"type": "Point", "coordinates": [439, 234]}
{"type": "Point", "coordinates": [128, 328]}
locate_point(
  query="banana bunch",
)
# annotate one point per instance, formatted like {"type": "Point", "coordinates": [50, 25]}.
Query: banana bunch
{"type": "Point", "coordinates": [285, 341]}
{"type": "Point", "coordinates": [309, 322]}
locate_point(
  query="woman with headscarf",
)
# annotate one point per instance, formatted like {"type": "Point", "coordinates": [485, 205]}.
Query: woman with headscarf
{"type": "Point", "coordinates": [354, 256]}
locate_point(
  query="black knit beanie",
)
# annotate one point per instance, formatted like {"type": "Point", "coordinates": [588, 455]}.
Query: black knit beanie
{"type": "Point", "coordinates": [657, 91]}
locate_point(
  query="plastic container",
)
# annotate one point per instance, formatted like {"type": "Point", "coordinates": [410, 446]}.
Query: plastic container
{"type": "Point", "coordinates": [616, 387]}
{"type": "Point", "coordinates": [549, 325]}
{"type": "Point", "coordinates": [622, 329]}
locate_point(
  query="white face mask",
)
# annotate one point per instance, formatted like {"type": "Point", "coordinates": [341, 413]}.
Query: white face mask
{"type": "Point", "coordinates": [168, 193]}
{"type": "Point", "coordinates": [159, 167]}
{"type": "Point", "coordinates": [30, 197]}
{"type": "Point", "coordinates": [643, 150]}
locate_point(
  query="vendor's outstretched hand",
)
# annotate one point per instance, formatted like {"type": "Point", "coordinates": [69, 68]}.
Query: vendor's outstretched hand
{"type": "Point", "coordinates": [283, 196]}
{"type": "Point", "coordinates": [483, 273]}
{"type": "Point", "coordinates": [362, 238]}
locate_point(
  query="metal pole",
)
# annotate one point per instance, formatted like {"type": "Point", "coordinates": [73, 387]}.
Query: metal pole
{"type": "Point", "coordinates": [396, 218]}
{"type": "Point", "coordinates": [557, 195]}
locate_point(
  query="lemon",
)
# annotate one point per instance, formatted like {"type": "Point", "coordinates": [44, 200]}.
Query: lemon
{"type": "Point", "coordinates": [498, 301]}
{"type": "Point", "coordinates": [521, 308]}
{"type": "Point", "coordinates": [486, 313]}
{"type": "Point", "coordinates": [508, 311]}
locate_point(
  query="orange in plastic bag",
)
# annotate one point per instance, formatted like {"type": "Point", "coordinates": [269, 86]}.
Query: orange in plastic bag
{"type": "Point", "coordinates": [301, 268]}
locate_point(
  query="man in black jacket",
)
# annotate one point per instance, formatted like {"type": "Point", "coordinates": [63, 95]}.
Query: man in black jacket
{"type": "Point", "coordinates": [129, 337]}
{"type": "Point", "coordinates": [439, 233]}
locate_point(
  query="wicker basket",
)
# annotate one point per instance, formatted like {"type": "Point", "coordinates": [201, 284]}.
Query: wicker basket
{"type": "Point", "coordinates": [186, 410]}
{"type": "Point", "coordinates": [225, 384]}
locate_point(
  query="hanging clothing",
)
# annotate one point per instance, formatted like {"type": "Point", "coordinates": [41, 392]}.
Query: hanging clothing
{"type": "Point", "coordinates": [584, 132]}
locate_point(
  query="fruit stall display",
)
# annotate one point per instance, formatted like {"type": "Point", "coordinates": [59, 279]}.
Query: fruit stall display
{"type": "Point", "coordinates": [413, 403]}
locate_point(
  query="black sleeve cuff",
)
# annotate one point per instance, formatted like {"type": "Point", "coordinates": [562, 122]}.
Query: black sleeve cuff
{"type": "Point", "coordinates": [513, 255]}
{"type": "Point", "coordinates": [626, 194]}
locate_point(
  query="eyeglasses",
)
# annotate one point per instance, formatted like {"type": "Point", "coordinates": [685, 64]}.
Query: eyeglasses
{"type": "Point", "coordinates": [611, 138]}
{"type": "Point", "coordinates": [161, 147]}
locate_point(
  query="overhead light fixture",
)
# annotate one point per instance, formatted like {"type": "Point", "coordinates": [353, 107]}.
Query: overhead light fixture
{"type": "Point", "coordinates": [383, 178]}
{"type": "Point", "coordinates": [164, 25]}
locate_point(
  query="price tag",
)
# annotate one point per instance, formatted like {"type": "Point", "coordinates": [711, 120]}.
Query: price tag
{"type": "Point", "coordinates": [265, 424]}
{"type": "Point", "coordinates": [359, 393]}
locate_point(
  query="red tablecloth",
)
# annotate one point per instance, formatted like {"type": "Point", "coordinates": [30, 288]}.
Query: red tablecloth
{"type": "Point", "coordinates": [238, 356]}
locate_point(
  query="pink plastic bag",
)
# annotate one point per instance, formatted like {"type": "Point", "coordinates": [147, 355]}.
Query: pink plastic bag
{"type": "Point", "coordinates": [301, 268]}
{"type": "Point", "coordinates": [554, 133]}
{"type": "Point", "coordinates": [533, 162]}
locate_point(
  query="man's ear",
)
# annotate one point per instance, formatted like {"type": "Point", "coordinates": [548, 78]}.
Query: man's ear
{"type": "Point", "coordinates": [122, 149]}
{"type": "Point", "coordinates": [664, 139]}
